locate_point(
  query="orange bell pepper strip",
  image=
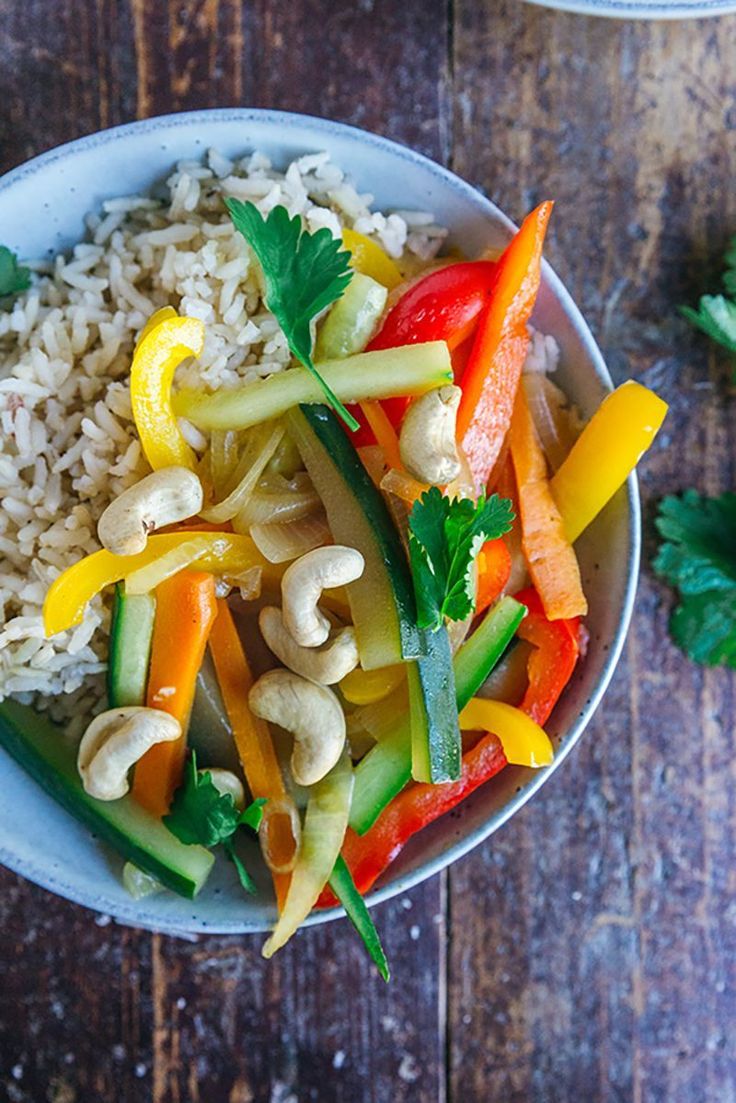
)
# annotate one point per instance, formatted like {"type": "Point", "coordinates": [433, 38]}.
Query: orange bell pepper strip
{"type": "Point", "coordinates": [491, 379]}
{"type": "Point", "coordinates": [251, 734]}
{"type": "Point", "coordinates": [550, 557]}
{"type": "Point", "coordinates": [494, 568]}
{"type": "Point", "coordinates": [557, 645]}
{"type": "Point", "coordinates": [185, 610]}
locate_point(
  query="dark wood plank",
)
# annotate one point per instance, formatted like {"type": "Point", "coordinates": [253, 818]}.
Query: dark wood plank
{"type": "Point", "coordinates": [591, 953]}
{"type": "Point", "coordinates": [151, 1017]}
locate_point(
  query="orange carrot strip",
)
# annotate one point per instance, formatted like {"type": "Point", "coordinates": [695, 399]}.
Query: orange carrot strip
{"type": "Point", "coordinates": [549, 554]}
{"type": "Point", "coordinates": [185, 610]}
{"type": "Point", "coordinates": [384, 432]}
{"type": "Point", "coordinates": [251, 734]}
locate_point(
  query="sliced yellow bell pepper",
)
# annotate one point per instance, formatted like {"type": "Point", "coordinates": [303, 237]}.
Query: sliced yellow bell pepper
{"type": "Point", "coordinates": [365, 687]}
{"type": "Point", "coordinates": [524, 742]}
{"type": "Point", "coordinates": [369, 258]}
{"type": "Point", "coordinates": [156, 319]}
{"type": "Point", "coordinates": [156, 359]}
{"type": "Point", "coordinates": [605, 453]}
{"type": "Point", "coordinates": [68, 595]}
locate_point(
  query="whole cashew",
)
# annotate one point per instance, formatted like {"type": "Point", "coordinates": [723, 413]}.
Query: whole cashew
{"type": "Point", "coordinates": [427, 439]}
{"type": "Point", "coordinates": [326, 664]}
{"type": "Point", "coordinates": [227, 784]}
{"type": "Point", "coordinates": [115, 741]}
{"type": "Point", "coordinates": [313, 715]}
{"type": "Point", "coordinates": [302, 586]}
{"type": "Point", "coordinates": [161, 498]}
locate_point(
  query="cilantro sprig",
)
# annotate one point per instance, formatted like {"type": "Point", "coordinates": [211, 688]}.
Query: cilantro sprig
{"type": "Point", "coordinates": [716, 314]}
{"type": "Point", "coordinates": [304, 273]}
{"type": "Point", "coordinates": [698, 557]}
{"type": "Point", "coordinates": [201, 815]}
{"type": "Point", "coordinates": [14, 277]}
{"type": "Point", "coordinates": [445, 536]}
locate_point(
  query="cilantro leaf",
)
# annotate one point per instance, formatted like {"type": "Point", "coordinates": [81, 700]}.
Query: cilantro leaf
{"type": "Point", "coordinates": [13, 276]}
{"type": "Point", "coordinates": [445, 536]}
{"type": "Point", "coordinates": [304, 273]}
{"type": "Point", "coordinates": [698, 557]}
{"type": "Point", "coordinates": [200, 814]}
{"type": "Point", "coordinates": [716, 314]}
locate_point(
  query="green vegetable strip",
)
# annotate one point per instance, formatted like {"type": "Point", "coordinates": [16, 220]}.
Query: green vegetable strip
{"type": "Point", "coordinates": [413, 369]}
{"type": "Point", "coordinates": [386, 768]}
{"type": "Point", "coordinates": [39, 747]}
{"type": "Point", "coordinates": [435, 734]}
{"type": "Point", "coordinates": [325, 823]}
{"type": "Point", "coordinates": [343, 886]}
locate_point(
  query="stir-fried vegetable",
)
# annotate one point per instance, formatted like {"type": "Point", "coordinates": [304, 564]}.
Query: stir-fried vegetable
{"type": "Point", "coordinates": [348, 327]}
{"type": "Point", "coordinates": [524, 742]}
{"type": "Point", "coordinates": [368, 257]}
{"type": "Point", "coordinates": [156, 359]}
{"type": "Point", "coordinates": [14, 278]}
{"type": "Point", "coordinates": [185, 612]}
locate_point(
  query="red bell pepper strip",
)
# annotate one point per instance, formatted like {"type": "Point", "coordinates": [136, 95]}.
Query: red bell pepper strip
{"type": "Point", "coordinates": [494, 568]}
{"type": "Point", "coordinates": [556, 649]}
{"type": "Point", "coordinates": [442, 306]}
{"type": "Point", "coordinates": [491, 378]}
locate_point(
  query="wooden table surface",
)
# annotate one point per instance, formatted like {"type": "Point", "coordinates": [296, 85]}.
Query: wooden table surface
{"type": "Point", "coordinates": [588, 951]}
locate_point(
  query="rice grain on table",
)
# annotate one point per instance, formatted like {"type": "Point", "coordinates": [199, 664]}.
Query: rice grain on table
{"type": "Point", "coordinates": [68, 444]}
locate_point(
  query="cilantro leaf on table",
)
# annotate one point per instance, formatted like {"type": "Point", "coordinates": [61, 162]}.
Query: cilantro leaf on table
{"type": "Point", "coordinates": [304, 273]}
{"type": "Point", "coordinates": [698, 557]}
{"type": "Point", "coordinates": [201, 815]}
{"type": "Point", "coordinates": [716, 314]}
{"type": "Point", "coordinates": [445, 536]}
{"type": "Point", "coordinates": [13, 276]}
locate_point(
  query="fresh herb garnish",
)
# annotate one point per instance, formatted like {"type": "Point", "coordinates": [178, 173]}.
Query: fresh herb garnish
{"type": "Point", "coordinates": [13, 276]}
{"type": "Point", "coordinates": [304, 273]}
{"type": "Point", "coordinates": [445, 536]}
{"type": "Point", "coordinates": [716, 314]}
{"type": "Point", "coordinates": [343, 886]}
{"type": "Point", "coordinates": [200, 814]}
{"type": "Point", "coordinates": [699, 558]}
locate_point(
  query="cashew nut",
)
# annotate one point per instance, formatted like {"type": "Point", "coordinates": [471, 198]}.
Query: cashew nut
{"type": "Point", "coordinates": [326, 664]}
{"type": "Point", "coordinates": [313, 715]}
{"type": "Point", "coordinates": [302, 586]}
{"type": "Point", "coordinates": [161, 498]}
{"type": "Point", "coordinates": [427, 439]}
{"type": "Point", "coordinates": [115, 741]}
{"type": "Point", "coordinates": [227, 784]}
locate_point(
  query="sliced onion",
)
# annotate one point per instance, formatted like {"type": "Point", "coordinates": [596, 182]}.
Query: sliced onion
{"type": "Point", "coordinates": [223, 459]}
{"type": "Point", "coordinates": [281, 543]}
{"type": "Point", "coordinates": [257, 454]}
{"type": "Point", "coordinates": [138, 883]}
{"type": "Point", "coordinates": [248, 583]}
{"type": "Point", "coordinates": [402, 485]}
{"type": "Point", "coordinates": [508, 682]}
{"type": "Point", "coordinates": [463, 486]}
{"type": "Point", "coordinates": [380, 718]}
{"type": "Point", "coordinates": [280, 834]}
{"type": "Point", "coordinates": [170, 563]}
{"type": "Point", "coordinates": [557, 423]}
{"type": "Point", "coordinates": [277, 500]}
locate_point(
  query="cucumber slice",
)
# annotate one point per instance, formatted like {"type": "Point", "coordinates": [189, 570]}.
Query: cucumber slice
{"type": "Point", "coordinates": [382, 601]}
{"type": "Point", "coordinates": [412, 369]}
{"type": "Point", "coordinates": [131, 633]}
{"type": "Point", "coordinates": [436, 743]}
{"type": "Point", "coordinates": [386, 769]}
{"type": "Point", "coordinates": [349, 326]}
{"type": "Point", "coordinates": [40, 748]}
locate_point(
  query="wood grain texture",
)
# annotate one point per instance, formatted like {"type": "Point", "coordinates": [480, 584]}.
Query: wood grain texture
{"type": "Point", "coordinates": [587, 952]}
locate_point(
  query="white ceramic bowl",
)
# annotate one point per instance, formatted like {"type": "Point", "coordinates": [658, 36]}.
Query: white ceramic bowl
{"type": "Point", "coordinates": [643, 9]}
{"type": "Point", "coordinates": [42, 204]}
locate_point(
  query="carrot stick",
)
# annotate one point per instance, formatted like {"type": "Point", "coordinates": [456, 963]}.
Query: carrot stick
{"type": "Point", "coordinates": [251, 734]}
{"type": "Point", "coordinates": [384, 432]}
{"type": "Point", "coordinates": [549, 554]}
{"type": "Point", "coordinates": [185, 610]}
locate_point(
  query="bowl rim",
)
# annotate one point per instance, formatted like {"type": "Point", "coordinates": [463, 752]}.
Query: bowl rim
{"type": "Point", "coordinates": [136, 914]}
{"type": "Point", "coordinates": [634, 9]}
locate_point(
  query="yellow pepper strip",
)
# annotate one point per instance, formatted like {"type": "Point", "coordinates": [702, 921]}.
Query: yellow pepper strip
{"type": "Point", "coordinates": [156, 319]}
{"type": "Point", "coordinates": [524, 742]}
{"type": "Point", "coordinates": [365, 687]}
{"type": "Point", "coordinates": [605, 453]}
{"type": "Point", "coordinates": [68, 595]}
{"type": "Point", "coordinates": [170, 563]}
{"type": "Point", "coordinates": [156, 359]}
{"type": "Point", "coordinates": [369, 258]}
